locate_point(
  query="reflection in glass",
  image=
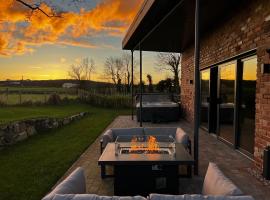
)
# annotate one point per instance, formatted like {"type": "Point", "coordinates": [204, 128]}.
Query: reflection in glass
{"type": "Point", "coordinates": [247, 105]}
{"type": "Point", "coordinates": [226, 106]}
{"type": "Point", "coordinates": [205, 78]}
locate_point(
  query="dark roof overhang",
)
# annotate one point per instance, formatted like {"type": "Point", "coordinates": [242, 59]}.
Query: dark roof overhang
{"type": "Point", "coordinates": [168, 25]}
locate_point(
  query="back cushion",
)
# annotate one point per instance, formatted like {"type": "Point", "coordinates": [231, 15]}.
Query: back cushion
{"type": "Point", "coordinates": [94, 197]}
{"type": "Point", "coordinates": [181, 137]}
{"type": "Point", "coordinates": [126, 131]}
{"type": "Point", "coordinates": [196, 197]}
{"type": "Point", "coordinates": [107, 137]}
{"type": "Point", "coordinates": [160, 131]}
{"type": "Point", "coordinates": [73, 184]}
{"type": "Point", "coordinates": [215, 183]}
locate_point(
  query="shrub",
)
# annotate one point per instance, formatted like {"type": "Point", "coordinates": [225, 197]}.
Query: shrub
{"type": "Point", "coordinates": [54, 99]}
{"type": "Point", "coordinates": [108, 101]}
{"type": "Point", "coordinates": [27, 103]}
{"type": "Point", "coordinates": [2, 103]}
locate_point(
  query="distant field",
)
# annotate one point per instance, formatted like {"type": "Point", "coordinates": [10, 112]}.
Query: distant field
{"type": "Point", "coordinates": [37, 89]}
{"type": "Point", "coordinates": [17, 95]}
{"type": "Point", "coordinates": [13, 99]}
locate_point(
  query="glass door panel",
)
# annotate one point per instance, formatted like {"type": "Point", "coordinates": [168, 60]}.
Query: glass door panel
{"type": "Point", "coordinates": [226, 101]}
{"type": "Point", "coordinates": [247, 105]}
{"type": "Point", "coordinates": [205, 86]}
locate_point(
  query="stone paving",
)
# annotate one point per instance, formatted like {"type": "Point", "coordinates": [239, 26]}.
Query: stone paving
{"type": "Point", "coordinates": [232, 163]}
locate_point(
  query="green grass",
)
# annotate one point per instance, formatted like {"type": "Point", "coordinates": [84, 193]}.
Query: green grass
{"type": "Point", "coordinates": [36, 89]}
{"type": "Point", "coordinates": [14, 113]}
{"type": "Point", "coordinates": [14, 99]}
{"type": "Point", "coordinates": [30, 168]}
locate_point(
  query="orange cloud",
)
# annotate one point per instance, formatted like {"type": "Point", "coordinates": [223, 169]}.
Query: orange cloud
{"type": "Point", "coordinates": [20, 29]}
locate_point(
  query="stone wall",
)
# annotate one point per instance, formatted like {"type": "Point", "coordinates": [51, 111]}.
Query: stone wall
{"type": "Point", "coordinates": [14, 132]}
{"type": "Point", "coordinates": [247, 29]}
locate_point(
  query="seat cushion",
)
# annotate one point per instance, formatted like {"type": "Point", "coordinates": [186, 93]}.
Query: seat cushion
{"type": "Point", "coordinates": [73, 184]}
{"type": "Point", "coordinates": [197, 197]}
{"type": "Point", "coordinates": [126, 131]}
{"type": "Point", "coordinates": [216, 183]}
{"type": "Point", "coordinates": [95, 197]}
{"type": "Point", "coordinates": [160, 131]}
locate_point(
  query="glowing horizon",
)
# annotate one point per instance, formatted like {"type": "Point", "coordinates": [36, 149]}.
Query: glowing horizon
{"type": "Point", "coordinates": [43, 48]}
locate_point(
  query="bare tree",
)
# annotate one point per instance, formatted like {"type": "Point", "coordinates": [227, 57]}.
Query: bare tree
{"type": "Point", "coordinates": [150, 83]}
{"type": "Point", "coordinates": [114, 70]}
{"type": "Point", "coordinates": [88, 66]}
{"type": "Point", "coordinates": [76, 72]}
{"type": "Point", "coordinates": [170, 62]}
{"type": "Point", "coordinates": [127, 62]}
{"type": "Point", "coordinates": [82, 70]}
{"type": "Point", "coordinates": [35, 5]}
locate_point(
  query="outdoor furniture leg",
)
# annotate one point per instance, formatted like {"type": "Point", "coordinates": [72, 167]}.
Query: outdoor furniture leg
{"type": "Point", "coordinates": [189, 171]}
{"type": "Point", "coordinates": [103, 171]}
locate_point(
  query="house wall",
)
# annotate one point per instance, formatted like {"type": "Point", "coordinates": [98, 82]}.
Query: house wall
{"type": "Point", "coordinates": [248, 29]}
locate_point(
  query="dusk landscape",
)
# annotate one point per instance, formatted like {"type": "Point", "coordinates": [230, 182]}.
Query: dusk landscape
{"type": "Point", "coordinates": [134, 100]}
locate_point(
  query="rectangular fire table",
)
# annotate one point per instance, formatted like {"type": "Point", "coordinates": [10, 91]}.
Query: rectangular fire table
{"type": "Point", "coordinates": [145, 167]}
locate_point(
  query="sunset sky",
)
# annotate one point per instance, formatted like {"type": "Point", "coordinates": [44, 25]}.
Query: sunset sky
{"type": "Point", "coordinates": [39, 47]}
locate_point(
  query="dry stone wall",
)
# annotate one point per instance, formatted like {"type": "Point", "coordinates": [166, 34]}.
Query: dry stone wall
{"type": "Point", "coordinates": [14, 132]}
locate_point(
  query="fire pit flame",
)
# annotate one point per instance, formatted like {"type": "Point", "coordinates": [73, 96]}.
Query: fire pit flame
{"type": "Point", "coordinates": [150, 146]}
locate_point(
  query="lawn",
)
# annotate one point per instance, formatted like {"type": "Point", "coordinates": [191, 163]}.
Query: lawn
{"type": "Point", "coordinates": [19, 112]}
{"type": "Point", "coordinates": [14, 99]}
{"type": "Point", "coordinates": [37, 89]}
{"type": "Point", "coordinates": [29, 169]}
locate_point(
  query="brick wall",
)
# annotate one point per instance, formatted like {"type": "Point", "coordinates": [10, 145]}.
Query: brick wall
{"type": "Point", "coordinates": [248, 29]}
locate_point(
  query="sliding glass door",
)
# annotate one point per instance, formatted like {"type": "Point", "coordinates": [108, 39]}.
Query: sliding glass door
{"type": "Point", "coordinates": [226, 101]}
{"type": "Point", "coordinates": [247, 104]}
{"type": "Point", "coordinates": [205, 93]}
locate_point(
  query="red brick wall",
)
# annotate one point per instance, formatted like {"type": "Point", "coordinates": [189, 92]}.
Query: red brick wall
{"type": "Point", "coordinates": [247, 30]}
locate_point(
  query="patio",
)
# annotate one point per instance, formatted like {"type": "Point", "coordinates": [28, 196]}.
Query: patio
{"type": "Point", "coordinates": [233, 164]}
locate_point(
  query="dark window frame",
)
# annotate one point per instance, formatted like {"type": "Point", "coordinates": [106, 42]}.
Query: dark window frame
{"type": "Point", "coordinates": [238, 78]}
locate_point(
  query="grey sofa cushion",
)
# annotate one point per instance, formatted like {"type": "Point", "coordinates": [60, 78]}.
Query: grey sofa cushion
{"type": "Point", "coordinates": [73, 184]}
{"type": "Point", "coordinates": [181, 137]}
{"type": "Point", "coordinates": [126, 131]}
{"type": "Point", "coordinates": [94, 197]}
{"type": "Point", "coordinates": [216, 183]}
{"type": "Point", "coordinates": [107, 137]}
{"type": "Point", "coordinates": [160, 131]}
{"type": "Point", "coordinates": [197, 197]}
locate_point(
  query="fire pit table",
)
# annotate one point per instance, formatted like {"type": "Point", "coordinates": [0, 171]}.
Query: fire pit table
{"type": "Point", "coordinates": [145, 164]}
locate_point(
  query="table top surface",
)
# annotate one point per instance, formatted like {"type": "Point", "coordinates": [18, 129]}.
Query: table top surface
{"type": "Point", "coordinates": [108, 157]}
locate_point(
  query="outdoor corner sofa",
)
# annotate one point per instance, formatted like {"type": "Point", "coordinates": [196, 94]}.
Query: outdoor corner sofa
{"type": "Point", "coordinates": [157, 108]}
{"type": "Point", "coordinates": [215, 187]}
{"type": "Point", "coordinates": [178, 134]}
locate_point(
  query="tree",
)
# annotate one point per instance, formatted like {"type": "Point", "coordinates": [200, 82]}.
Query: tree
{"type": "Point", "coordinates": [165, 85]}
{"type": "Point", "coordinates": [34, 6]}
{"type": "Point", "coordinates": [76, 72]}
{"type": "Point", "coordinates": [127, 62]}
{"type": "Point", "coordinates": [88, 66]}
{"type": "Point", "coordinates": [37, 7]}
{"type": "Point", "coordinates": [170, 62]}
{"type": "Point", "coordinates": [114, 70]}
{"type": "Point", "coordinates": [83, 70]}
{"type": "Point", "coordinates": [150, 83]}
